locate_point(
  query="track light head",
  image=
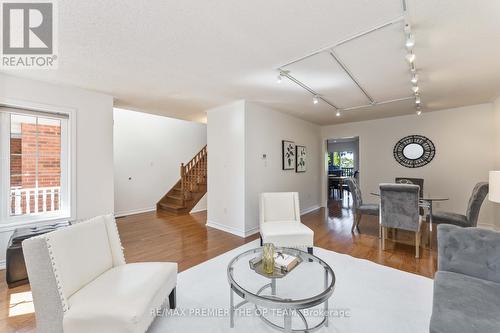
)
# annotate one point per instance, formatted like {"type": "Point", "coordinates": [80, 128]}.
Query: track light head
{"type": "Point", "coordinates": [315, 99]}
{"type": "Point", "coordinates": [419, 112]}
{"type": "Point", "coordinates": [417, 100]}
{"type": "Point", "coordinates": [410, 41]}
{"type": "Point", "coordinates": [278, 80]}
{"type": "Point", "coordinates": [415, 89]}
{"type": "Point", "coordinates": [414, 79]}
{"type": "Point", "coordinates": [337, 113]}
{"type": "Point", "coordinates": [410, 57]}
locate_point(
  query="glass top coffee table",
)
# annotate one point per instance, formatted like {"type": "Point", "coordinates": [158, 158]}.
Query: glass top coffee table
{"type": "Point", "coordinates": [283, 298]}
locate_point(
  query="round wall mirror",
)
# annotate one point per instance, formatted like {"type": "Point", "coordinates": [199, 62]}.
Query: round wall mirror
{"type": "Point", "coordinates": [414, 151]}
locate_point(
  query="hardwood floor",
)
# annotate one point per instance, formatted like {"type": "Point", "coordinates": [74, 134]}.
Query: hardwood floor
{"type": "Point", "coordinates": [162, 236]}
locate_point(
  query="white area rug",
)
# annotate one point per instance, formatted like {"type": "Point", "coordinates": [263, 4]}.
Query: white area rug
{"type": "Point", "coordinates": [378, 298]}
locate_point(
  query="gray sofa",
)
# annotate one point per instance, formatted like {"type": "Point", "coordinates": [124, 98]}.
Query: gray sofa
{"type": "Point", "coordinates": [467, 284]}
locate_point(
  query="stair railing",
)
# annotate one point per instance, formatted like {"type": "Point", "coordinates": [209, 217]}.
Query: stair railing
{"type": "Point", "coordinates": [193, 173]}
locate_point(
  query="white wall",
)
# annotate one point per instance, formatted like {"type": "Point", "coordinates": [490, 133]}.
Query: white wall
{"type": "Point", "coordinates": [464, 139]}
{"type": "Point", "coordinates": [238, 135]}
{"type": "Point", "coordinates": [149, 149]}
{"type": "Point", "coordinates": [264, 131]}
{"type": "Point", "coordinates": [94, 141]}
{"type": "Point", "coordinates": [226, 168]}
{"type": "Point", "coordinates": [496, 123]}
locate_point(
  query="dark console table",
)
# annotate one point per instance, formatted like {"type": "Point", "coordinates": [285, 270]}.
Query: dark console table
{"type": "Point", "coordinates": [16, 274]}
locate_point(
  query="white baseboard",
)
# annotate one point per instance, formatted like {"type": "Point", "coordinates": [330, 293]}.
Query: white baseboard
{"type": "Point", "coordinates": [134, 211]}
{"type": "Point", "coordinates": [2, 264]}
{"type": "Point", "coordinates": [150, 209]}
{"type": "Point", "coordinates": [310, 209]}
{"type": "Point", "coordinates": [231, 230]}
{"type": "Point", "coordinates": [198, 210]}
{"type": "Point", "coordinates": [252, 231]}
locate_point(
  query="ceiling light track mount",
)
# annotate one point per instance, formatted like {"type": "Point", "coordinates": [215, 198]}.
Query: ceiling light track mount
{"type": "Point", "coordinates": [316, 96]}
{"type": "Point", "coordinates": [343, 41]}
{"type": "Point", "coordinates": [377, 103]}
{"type": "Point", "coordinates": [349, 73]}
{"type": "Point", "coordinates": [330, 49]}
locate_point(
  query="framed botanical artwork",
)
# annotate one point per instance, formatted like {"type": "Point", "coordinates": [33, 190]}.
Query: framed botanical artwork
{"type": "Point", "coordinates": [288, 154]}
{"type": "Point", "coordinates": [300, 158]}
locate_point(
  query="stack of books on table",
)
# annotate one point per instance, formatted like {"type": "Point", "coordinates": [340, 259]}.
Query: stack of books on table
{"type": "Point", "coordinates": [285, 262]}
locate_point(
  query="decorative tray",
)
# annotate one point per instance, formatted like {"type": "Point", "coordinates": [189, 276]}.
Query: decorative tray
{"type": "Point", "coordinates": [257, 265]}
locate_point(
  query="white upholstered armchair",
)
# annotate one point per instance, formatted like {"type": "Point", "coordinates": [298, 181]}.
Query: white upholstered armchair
{"type": "Point", "coordinates": [280, 221]}
{"type": "Point", "coordinates": [81, 283]}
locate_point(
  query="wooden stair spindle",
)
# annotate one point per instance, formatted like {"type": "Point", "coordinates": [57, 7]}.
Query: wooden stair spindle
{"type": "Point", "coordinates": [183, 181]}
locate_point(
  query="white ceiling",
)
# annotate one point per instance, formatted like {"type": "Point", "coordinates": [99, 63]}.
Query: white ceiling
{"type": "Point", "coordinates": [179, 58]}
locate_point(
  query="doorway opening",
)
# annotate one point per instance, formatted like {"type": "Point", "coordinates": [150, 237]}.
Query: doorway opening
{"type": "Point", "coordinates": [343, 163]}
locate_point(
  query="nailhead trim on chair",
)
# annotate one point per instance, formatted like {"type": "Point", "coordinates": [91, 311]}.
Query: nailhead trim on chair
{"type": "Point", "coordinates": [120, 241]}
{"type": "Point", "coordinates": [64, 302]}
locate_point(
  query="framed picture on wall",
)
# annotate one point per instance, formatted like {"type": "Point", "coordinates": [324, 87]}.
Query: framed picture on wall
{"type": "Point", "coordinates": [288, 154]}
{"type": "Point", "coordinates": [300, 158]}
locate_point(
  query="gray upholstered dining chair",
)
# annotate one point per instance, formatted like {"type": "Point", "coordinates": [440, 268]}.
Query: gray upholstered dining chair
{"type": "Point", "coordinates": [360, 208]}
{"type": "Point", "coordinates": [399, 209]}
{"type": "Point", "coordinates": [471, 215]}
{"type": "Point", "coordinates": [416, 181]}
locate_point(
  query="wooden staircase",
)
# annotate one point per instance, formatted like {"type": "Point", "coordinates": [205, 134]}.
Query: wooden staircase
{"type": "Point", "coordinates": [190, 188]}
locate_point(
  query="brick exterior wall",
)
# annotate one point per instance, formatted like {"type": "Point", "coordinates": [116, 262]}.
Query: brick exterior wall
{"type": "Point", "coordinates": [15, 161]}
{"type": "Point", "coordinates": [23, 162]}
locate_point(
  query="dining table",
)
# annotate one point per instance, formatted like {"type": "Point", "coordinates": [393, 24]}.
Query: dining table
{"type": "Point", "coordinates": [340, 180]}
{"type": "Point", "coordinates": [427, 203]}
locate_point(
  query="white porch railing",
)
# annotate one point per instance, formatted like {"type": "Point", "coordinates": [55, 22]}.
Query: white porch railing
{"type": "Point", "coordinates": [27, 200]}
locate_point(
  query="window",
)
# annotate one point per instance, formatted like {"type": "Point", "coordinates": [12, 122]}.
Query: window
{"type": "Point", "coordinates": [343, 159]}
{"type": "Point", "coordinates": [34, 148]}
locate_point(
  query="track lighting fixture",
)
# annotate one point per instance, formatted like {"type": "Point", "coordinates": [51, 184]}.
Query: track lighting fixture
{"type": "Point", "coordinates": [410, 57]}
{"type": "Point", "coordinates": [409, 43]}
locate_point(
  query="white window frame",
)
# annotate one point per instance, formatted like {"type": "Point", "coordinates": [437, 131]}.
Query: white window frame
{"type": "Point", "coordinates": [68, 163]}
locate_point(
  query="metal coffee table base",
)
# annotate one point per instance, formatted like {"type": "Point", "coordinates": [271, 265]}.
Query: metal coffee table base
{"type": "Point", "coordinates": [287, 318]}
